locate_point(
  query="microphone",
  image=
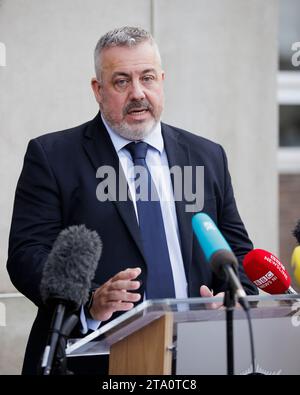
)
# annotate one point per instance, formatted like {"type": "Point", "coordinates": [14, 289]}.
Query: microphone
{"type": "Point", "coordinates": [66, 279]}
{"type": "Point", "coordinates": [267, 272]}
{"type": "Point", "coordinates": [295, 260]}
{"type": "Point", "coordinates": [218, 253]}
{"type": "Point", "coordinates": [295, 263]}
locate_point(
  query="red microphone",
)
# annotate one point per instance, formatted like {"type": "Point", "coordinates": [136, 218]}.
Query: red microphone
{"type": "Point", "coordinates": [267, 272]}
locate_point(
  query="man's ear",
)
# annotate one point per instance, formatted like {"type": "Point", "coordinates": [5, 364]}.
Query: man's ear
{"type": "Point", "coordinates": [96, 89]}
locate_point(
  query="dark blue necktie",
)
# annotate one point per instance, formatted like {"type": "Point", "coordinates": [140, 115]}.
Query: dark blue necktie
{"type": "Point", "coordinates": [159, 273]}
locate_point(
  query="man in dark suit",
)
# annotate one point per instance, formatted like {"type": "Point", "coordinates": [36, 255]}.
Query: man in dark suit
{"type": "Point", "coordinates": [59, 187]}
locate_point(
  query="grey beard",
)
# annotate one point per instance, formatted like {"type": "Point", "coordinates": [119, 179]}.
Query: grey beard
{"type": "Point", "coordinates": [130, 132]}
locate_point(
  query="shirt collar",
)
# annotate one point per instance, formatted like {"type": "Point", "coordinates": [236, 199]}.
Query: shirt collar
{"type": "Point", "coordinates": [154, 139]}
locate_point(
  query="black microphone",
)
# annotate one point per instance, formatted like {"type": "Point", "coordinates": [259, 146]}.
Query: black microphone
{"type": "Point", "coordinates": [66, 280]}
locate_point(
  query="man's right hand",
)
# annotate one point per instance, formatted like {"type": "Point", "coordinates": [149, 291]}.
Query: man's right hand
{"type": "Point", "coordinates": [113, 295]}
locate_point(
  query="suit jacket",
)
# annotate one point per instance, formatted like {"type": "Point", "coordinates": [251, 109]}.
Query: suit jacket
{"type": "Point", "coordinates": [57, 189]}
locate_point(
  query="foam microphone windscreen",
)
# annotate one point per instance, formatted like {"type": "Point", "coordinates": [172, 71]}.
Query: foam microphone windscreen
{"type": "Point", "coordinates": [266, 271]}
{"type": "Point", "coordinates": [70, 266]}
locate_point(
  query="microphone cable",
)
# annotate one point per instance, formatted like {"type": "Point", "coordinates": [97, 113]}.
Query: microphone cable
{"type": "Point", "coordinates": [252, 351]}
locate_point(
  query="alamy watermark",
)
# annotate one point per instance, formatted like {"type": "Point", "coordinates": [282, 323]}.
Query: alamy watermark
{"type": "Point", "coordinates": [296, 56]}
{"type": "Point", "coordinates": [2, 54]}
{"type": "Point", "coordinates": [187, 185]}
{"type": "Point", "coordinates": [2, 314]}
{"type": "Point", "coordinates": [260, 370]}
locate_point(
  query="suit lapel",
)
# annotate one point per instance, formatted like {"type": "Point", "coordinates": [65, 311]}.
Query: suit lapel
{"type": "Point", "coordinates": [179, 155]}
{"type": "Point", "coordinates": [101, 152]}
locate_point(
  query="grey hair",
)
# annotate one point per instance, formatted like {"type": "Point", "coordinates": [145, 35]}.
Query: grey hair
{"type": "Point", "coordinates": [125, 36]}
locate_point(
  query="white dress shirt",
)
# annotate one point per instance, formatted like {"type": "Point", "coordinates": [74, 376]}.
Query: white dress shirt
{"type": "Point", "coordinates": [158, 165]}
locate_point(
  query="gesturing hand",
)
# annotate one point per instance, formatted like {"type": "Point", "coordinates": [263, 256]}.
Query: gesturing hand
{"type": "Point", "coordinates": [113, 295]}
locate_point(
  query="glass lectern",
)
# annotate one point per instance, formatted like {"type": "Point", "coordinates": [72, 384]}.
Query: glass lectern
{"type": "Point", "coordinates": [151, 337]}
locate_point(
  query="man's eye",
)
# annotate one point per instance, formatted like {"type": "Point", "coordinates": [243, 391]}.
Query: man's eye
{"type": "Point", "coordinates": [121, 83]}
{"type": "Point", "coordinates": [148, 78]}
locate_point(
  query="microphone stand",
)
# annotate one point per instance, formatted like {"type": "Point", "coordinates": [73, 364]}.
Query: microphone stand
{"type": "Point", "coordinates": [60, 359]}
{"type": "Point", "coordinates": [229, 303]}
{"type": "Point", "coordinates": [54, 357]}
{"type": "Point", "coordinates": [235, 289]}
{"type": "Point", "coordinates": [224, 264]}
{"type": "Point", "coordinates": [50, 349]}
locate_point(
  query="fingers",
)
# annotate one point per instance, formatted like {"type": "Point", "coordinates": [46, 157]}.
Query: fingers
{"type": "Point", "coordinates": [122, 282]}
{"type": "Point", "coordinates": [220, 294]}
{"type": "Point", "coordinates": [119, 306]}
{"type": "Point", "coordinates": [128, 274]}
{"type": "Point", "coordinates": [116, 294]}
{"type": "Point", "coordinates": [121, 295]}
{"type": "Point", "coordinates": [124, 285]}
{"type": "Point", "coordinates": [205, 292]}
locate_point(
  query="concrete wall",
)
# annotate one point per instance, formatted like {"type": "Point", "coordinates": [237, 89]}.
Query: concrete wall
{"type": "Point", "coordinates": [220, 58]}
{"type": "Point", "coordinates": [16, 317]}
{"type": "Point", "coordinates": [221, 62]}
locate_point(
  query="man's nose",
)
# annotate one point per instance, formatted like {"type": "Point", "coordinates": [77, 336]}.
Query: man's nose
{"type": "Point", "coordinates": [137, 91]}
